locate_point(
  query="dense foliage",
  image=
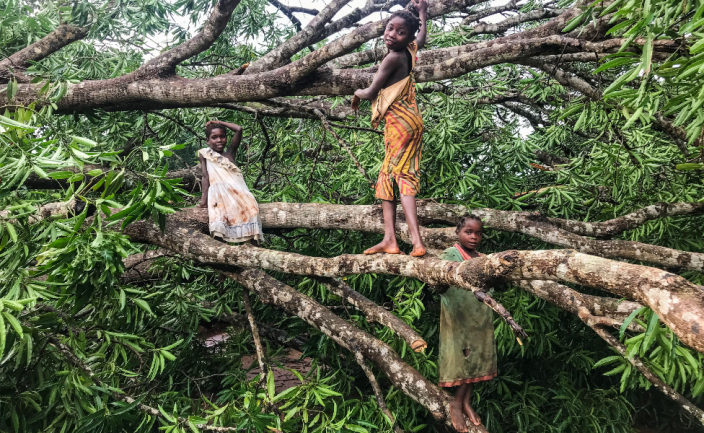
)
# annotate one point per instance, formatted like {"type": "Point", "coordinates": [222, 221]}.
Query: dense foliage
{"type": "Point", "coordinates": [60, 278]}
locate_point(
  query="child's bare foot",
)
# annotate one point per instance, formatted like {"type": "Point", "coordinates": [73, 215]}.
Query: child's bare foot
{"type": "Point", "coordinates": [458, 420]}
{"type": "Point", "coordinates": [385, 246]}
{"type": "Point", "coordinates": [418, 251]}
{"type": "Point", "coordinates": [471, 414]}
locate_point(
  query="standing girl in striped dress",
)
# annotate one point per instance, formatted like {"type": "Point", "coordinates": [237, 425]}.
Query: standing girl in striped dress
{"type": "Point", "coordinates": [394, 93]}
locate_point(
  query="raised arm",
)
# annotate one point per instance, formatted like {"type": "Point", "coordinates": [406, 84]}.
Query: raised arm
{"type": "Point", "coordinates": [391, 63]}
{"type": "Point", "coordinates": [422, 8]}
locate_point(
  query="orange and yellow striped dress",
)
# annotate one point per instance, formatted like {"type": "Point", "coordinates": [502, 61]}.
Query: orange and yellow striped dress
{"type": "Point", "coordinates": [403, 134]}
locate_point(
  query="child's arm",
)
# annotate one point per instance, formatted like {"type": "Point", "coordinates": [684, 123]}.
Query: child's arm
{"type": "Point", "coordinates": [422, 8]}
{"type": "Point", "coordinates": [204, 183]}
{"type": "Point", "coordinates": [388, 66]}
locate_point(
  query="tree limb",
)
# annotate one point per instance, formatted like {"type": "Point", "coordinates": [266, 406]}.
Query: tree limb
{"type": "Point", "coordinates": [375, 313]}
{"type": "Point", "coordinates": [63, 35]}
{"type": "Point", "coordinates": [165, 63]}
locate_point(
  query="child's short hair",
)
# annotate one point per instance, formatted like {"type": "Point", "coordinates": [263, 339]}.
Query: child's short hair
{"type": "Point", "coordinates": [412, 21]}
{"type": "Point", "coordinates": [210, 127]}
{"type": "Point", "coordinates": [466, 218]}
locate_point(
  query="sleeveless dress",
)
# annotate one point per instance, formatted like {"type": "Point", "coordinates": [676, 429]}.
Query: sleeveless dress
{"type": "Point", "coordinates": [232, 210]}
{"type": "Point", "coordinates": [467, 345]}
{"type": "Point", "coordinates": [403, 132]}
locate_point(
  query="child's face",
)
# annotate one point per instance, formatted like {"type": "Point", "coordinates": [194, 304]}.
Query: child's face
{"type": "Point", "coordinates": [396, 34]}
{"type": "Point", "coordinates": [471, 234]}
{"type": "Point", "coordinates": [217, 139]}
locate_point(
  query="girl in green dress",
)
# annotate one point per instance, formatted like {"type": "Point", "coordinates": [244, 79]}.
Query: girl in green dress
{"type": "Point", "coordinates": [467, 346]}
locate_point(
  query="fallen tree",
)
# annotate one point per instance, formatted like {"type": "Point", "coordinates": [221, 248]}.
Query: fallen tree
{"type": "Point", "coordinates": [562, 126]}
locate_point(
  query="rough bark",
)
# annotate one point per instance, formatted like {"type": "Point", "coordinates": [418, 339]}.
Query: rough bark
{"type": "Point", "coordinates": [401, 375]}
{"type": "Point", "coordinates": [678, 303]}
{"type": "Point", "coordinates": [63, 35]}
{"type": "Point", "coordinates": [165, 64]}
{"type": "Point", "coordinates": [613, 310]}
{"type": "Point", "coordinates": [630, 221]}
{"type": "Point", "coordinates": [375, 313]}
{"type": "Point", "coordinates": [585, 307]}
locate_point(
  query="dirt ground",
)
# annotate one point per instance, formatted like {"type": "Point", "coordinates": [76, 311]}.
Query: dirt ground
{"type": "Point", "coordinates": [283, 378]}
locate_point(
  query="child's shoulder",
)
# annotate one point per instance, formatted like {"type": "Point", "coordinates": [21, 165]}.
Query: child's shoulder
{"type": "Point", "coordinates": [395, 58]}
{"type": "Point", "coordinates": [451, 254]}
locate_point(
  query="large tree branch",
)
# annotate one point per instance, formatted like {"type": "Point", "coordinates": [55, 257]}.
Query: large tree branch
{"type": "Point", "coordinates": [165, 64]}
{"type": "Point", "coordinates": [297, 42]}
{"type": "Point", "coordinates": [678, 303]}
{"type": "Point", "coordinates": [658, 289]}
{"type": "Point", "coordinates": [375, 313]}
{"type": "Point", "coordinates": [590, 310]}
{"type": "Point", "coordinates": [630, 221]}
{"type": "Point", "coordinates": [63, 35]}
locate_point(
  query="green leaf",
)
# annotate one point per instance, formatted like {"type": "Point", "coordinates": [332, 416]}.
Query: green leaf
{"type": "Point", "coordinates": [166, 415]}
{"type": "Point", "coordinates": [628, 321]}
{"type": "Point", "coordinates": [61, 174]}
{"type": "Point", "coordinates": [11, 231]}
{"type": "Point", "coordinates": [84, 141]}
{"type": "Point", "coordinates": [270, 384]}
{"type": "Point", "coordinates": [3, 335]}
{"type": "Point", "coordinates": [143, 305]}
{"type": "Point", "coordinates": [9, 122]}
{"type": "Point", "coordinates": [356, 428]}
{"type": "Point", "coordinates": [651, 332]}
{"type": "Point", "coordinates": [690, 166]}
{"type": "Point", "coordinates": [14, 323]}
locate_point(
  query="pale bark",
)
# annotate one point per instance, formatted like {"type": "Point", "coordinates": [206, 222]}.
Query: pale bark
{"type": "Point", "coordinates": [375, 313]}
{"type": "Point", "coordinates": [678, 303]}
{"type": "Point", "coordinates": [611, 311]}
{"type": "Point", "coordinates": [630, 221]}
{"type": "Point", "coordinates": [165, 63]}
{"type": "Point", "coordinates": [63, 35]}
{"type": "Point", "coordinates": [586, 307]}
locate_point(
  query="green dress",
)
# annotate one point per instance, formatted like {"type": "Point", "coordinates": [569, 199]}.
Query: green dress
{"type": "Point", "coordinates": [467, 345]}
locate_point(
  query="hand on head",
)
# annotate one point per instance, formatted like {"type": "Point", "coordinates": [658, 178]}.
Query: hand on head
{"type": "Point", "coordinates": [421, 5]}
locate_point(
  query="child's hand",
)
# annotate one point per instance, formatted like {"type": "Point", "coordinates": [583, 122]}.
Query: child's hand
{"type": "Point", "coordinates": [202, 205]}
{"type": "Point", "coordinates": [211, 121]}
{"type": "Point", "coordinates": [355, 102]}
{"type": "Point", "coordinates": [421, 6]}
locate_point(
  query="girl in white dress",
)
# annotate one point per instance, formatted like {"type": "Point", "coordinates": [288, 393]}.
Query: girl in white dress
{"type": "Point", "coordinates": [233, 211]}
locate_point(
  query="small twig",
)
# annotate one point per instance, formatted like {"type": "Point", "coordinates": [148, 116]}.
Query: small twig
{"type": "Point", "coordinates": [357, 128]}
{"type": "Point", "coordinates": [377, 389]}
{"type": "Point", "coordinates": [482, 296]}
{"type": "Point", "coordinates": [344, 144]}
{"type": "Point", "coordinates": [315, 162]}
{"type": "Point", "coordinates": [266, 149]}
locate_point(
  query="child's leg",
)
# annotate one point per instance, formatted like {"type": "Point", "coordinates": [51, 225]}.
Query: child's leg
{"type": "Point", "coordinates": [456, 412]}
{"type": "Point", "coordinates": [467, 408]}
{"type": "Point", "coordinates": [409, 208]}
{"type": "Point", "coordinates": [388, 244]}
